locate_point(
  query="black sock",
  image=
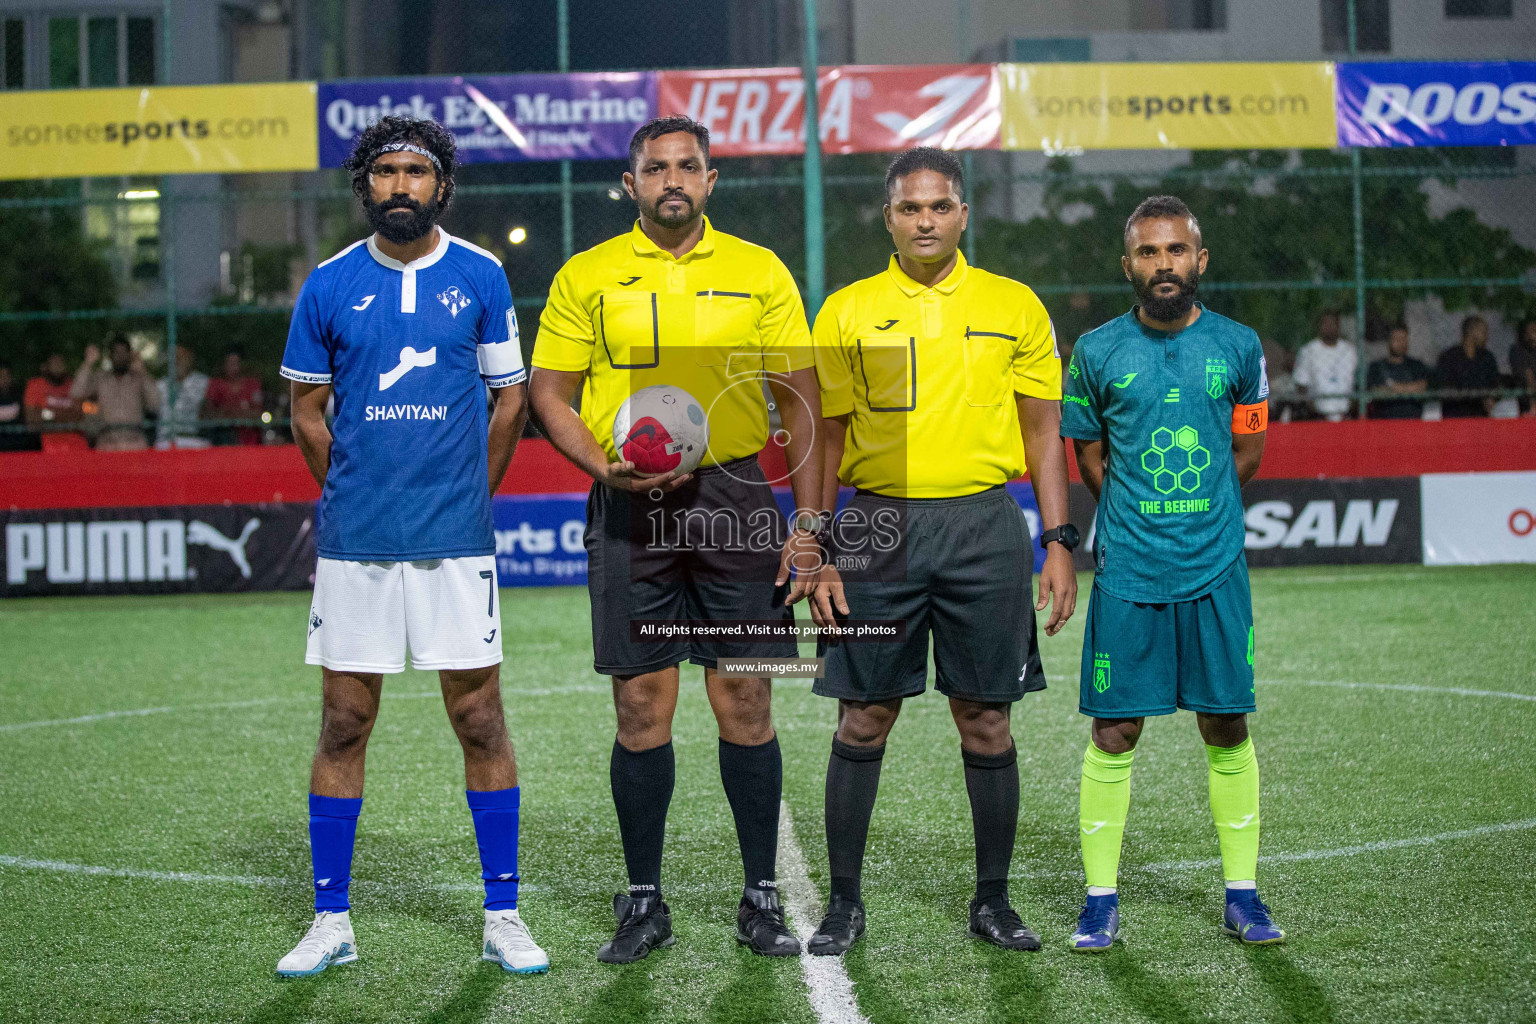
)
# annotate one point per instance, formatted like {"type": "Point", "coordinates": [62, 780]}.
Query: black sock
{"type": "Point", "coordinates": [642, 789]}
{"type": "Point", "coordinates": [992, 782]}
{"type": "Point", "coordinates": [853, 777]}
{"type": "Point", "coordinates": [754, 783]}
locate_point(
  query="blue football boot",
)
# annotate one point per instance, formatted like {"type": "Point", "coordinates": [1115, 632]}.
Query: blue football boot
{"type": "Point", "coordinates": [1247, 919]}
{"type": "Point", "coordinates": [1098, 925]}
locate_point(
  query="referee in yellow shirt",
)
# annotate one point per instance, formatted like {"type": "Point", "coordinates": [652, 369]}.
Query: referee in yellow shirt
{"type": "Point", "coordinates": [676, 302]}
{"type": "Point", "coordinates": [940, 383]}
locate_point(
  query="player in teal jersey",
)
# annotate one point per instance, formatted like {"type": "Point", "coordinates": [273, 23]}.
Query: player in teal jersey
{"type": "Point", "coordinates": [1166, 409]}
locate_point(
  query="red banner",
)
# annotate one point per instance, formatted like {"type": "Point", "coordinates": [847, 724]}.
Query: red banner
{"type": "Point", "coordinates": [863, 108]}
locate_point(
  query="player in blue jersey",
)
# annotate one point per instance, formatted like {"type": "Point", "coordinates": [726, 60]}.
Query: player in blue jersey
{"type": "Point", "coordinates": [404, 331]}
{"type": "Point", "coordinates": [1166, 409]}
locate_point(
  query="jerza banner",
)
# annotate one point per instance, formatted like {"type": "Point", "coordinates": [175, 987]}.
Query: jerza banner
{"type": "Point", "coordinates": [158, 130]}
{"type": "Point", "coordinates": [1437, 104]}
{"type": "Point", "coordinates": [1065, 108]}
{"type": "Point", "coordinates": [1479, 518]}
{"type": "Point", "coordinates": [498, 118]}
{"type": "Point", "coordinates": [861, 109]}
{"type": "Point", "coordinates": [158, 550]}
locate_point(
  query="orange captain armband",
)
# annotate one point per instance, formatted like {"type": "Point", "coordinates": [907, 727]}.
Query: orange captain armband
{"type": "Point", "coordinates": [1250, 419]}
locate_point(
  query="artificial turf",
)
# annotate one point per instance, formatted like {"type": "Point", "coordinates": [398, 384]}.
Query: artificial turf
{"type": "Point", "coordinates": [1381, 788]}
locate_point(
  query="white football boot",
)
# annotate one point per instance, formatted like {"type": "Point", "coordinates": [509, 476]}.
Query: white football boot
{"type": "Point", "coordinates": [328, 941]}
{"type": "Point", "coordinates": [508, 943]}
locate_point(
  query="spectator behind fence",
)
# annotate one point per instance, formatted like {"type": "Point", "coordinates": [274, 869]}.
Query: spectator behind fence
{"type": "Point", "coordinates": [234, 396]}
{"type": "Point", "coordinates": [1468, 365]}
{"type": "Point", "coordinates": [1326, 366]}
{"type": "Point", "coordinates": [178, 426]}
{"type": "Point", "coordinates": [125, 394]}
{"type": "Point", "coordinates": [1522, 360]}
{"type": "Point", "coordinates": [10, 411]}
{"type": "Point", "coordinates": [1279, 361]}
{"type": "Point", "coordinates": [47, 401]}
{"type": "Point", "coordinates": [1397, 374]}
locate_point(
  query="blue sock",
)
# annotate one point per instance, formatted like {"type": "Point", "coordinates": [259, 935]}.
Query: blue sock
{"type": "Point", "coordinates": [332, 832]}
{"type": "Point", "coordinates": [495, 814]}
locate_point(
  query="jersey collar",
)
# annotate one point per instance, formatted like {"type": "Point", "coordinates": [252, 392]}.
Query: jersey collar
{"type": "Point", "coordinates": [645, 247]}
{"type": "Point", "coordinates": [1151, 332]}
{"type": "Point", "coordinates": [911, 289]}
{"type": "Point", "coordinates": [421, 262]}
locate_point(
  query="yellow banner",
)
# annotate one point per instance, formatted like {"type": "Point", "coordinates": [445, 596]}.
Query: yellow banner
{"type": "Point", "coordinates": [196, 129]}
{"type": "Point", "coordinates": [1065, 108]}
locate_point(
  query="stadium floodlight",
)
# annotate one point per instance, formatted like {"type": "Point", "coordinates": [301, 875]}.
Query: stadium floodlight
{"type": "Point", "coordinates": [140, 193]}
{"type": "Point", "coordinates": [517, 236]}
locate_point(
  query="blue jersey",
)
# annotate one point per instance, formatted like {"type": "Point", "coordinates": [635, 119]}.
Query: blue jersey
{"type": "Point", "coordinates": [1170, 520]}
{"type": "Point", "coordinates": [405, 348]}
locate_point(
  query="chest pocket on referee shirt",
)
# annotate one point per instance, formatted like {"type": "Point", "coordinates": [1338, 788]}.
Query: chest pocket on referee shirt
{"type": "Point", "coordinates": [988, 356]}
{"type": "Point", "coordinates": [887, 372]}
{"type": "Point", "coordinates": [725, 330]}
{"type": "Point", "coordinates": [629, 328]}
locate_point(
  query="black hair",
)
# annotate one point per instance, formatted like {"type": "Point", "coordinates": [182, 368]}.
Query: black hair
{"type": "Point", "coordinates": [423, 132]}
{"type": "Point", "coordinates": [1159, 207]}
{"type": "Point", "coordinates": [117, 338]}
{"type": "Point", "coordinates": [1524, 325]}
{"type": "Point", "coordinates": [1330, 312]}
{"type": "Point", "coordinates": [1467, 322]}
{"type": "Point", "coordinates": [235, 350]}
{"type": "Point", "coordinates": [659, 126]}
{"type": "Point", "coordinates": [926, 158]}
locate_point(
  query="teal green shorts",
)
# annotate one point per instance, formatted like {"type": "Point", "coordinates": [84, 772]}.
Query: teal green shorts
{"type": "Point", "coordinates": [1150, 659]}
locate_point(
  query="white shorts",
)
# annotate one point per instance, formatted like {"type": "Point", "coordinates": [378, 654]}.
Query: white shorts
{"type": "Point", "coordinates": [365, 614]}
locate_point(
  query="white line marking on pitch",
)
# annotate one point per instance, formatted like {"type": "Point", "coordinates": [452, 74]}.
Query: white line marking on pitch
{"type": "Point", "coordinates": [106, 716]}
{"type": "Point", "coordinates": [826, 981]}
{"type": "Point", "coordinates": [1375, 846]}
{"type": "Point", "coordinates": [1454, 691]}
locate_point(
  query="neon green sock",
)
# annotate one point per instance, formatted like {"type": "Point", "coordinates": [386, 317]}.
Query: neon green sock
{"type": "Point", "coordinates": [1234, 778]}
{"type": "Point", "coordinates": [1103, 801]}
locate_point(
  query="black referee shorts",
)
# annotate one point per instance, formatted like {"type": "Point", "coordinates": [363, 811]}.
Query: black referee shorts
{"type": "Point", "coordinates": [708, 550]}
{"type": "Point", "coordinates": [956, 568]}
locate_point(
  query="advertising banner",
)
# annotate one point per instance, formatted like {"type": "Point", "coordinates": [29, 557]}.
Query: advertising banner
{"type": "Point", "coordinates": [1437, 104]}
{"type": "Point", "coordinates": [863, 108]}
{"type": "Point", "coordinates": [1065, 108]}
{"type": "Point", "coordinates": [158, 550]}
{"type": "Point", "coordinates": [539, 540]}
{"type": "Point", "coordinates": [1336, 521]}
{"type": "Point", "coordinates": [198, 129]}
{"type": "Point", "coordinates": [498, 118]}
{"type": "Point", "coordinates": [1479, 518]}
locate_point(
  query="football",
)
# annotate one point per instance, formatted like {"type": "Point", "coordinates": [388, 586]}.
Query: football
{"type": "Point", "coordinates": [661, 429]}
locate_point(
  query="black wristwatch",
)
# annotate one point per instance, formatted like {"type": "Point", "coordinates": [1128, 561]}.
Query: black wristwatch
{"type": "Point", "coordinates": [1066, 535]}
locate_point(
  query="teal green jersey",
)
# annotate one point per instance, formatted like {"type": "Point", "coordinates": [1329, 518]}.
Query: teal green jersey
{"type": "Point", "coordinates": [1170, 520]}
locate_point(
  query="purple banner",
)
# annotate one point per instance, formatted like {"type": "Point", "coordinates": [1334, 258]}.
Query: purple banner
{"type": "Point", "coordinates": [1389, 103]}
{"type": "Point", "coordinates": [498, 118]}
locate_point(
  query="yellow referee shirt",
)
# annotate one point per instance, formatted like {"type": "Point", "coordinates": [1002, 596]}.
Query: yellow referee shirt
{"type": "Point", "coordinates": [927, 378]}
{"type": "Point", "coordinates": [711, 322]}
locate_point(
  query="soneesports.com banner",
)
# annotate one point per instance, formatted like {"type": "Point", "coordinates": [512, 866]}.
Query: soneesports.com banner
{"type": "Point", "coordinates": [1479, 518]}
{"type": "Point", "coordinates": [1064, 108]}
{"type": "Point", "coordinates": [498, 118]}
{"type": "Point", "coordinates": [193, 129]}
{"type": "Point", "coordinates": [1437, 104]}
{"type": "Point", "coordinates": [158, 550]}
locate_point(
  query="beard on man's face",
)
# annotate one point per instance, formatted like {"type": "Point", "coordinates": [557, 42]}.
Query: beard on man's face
{"type": "Point", "coordinates": [659, 212]}
{"type": "Point", "coordinates": [401, 228]}
{"type": "Point", "coordinates": [1167, 307]}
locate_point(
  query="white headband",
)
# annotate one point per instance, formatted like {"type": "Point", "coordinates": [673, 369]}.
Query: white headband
{"type": "Point", "coordinates": [411, 147]}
